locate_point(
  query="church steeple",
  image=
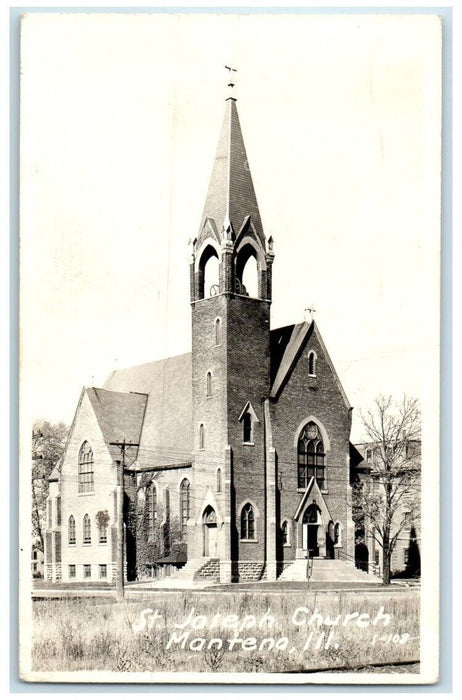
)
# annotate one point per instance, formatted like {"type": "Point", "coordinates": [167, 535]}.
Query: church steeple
{"type": "Point", "coordinates": [231, 227]}
{"type": "Point", "coordinates": [231, 194]}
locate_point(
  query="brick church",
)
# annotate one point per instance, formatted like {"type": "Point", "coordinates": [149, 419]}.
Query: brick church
{"type": "Point", "coordinates": [231, 461]}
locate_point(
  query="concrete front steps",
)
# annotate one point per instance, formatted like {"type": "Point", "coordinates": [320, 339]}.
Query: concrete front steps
{"type": "Point", "coordinates": [327, 571]}
{"type": "Point", "coordinates": [195, 573]}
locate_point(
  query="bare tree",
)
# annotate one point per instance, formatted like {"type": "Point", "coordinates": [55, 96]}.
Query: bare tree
{"type": "Point", "coordinates": [393, 431]}
{"type": "Point", "coordinates": [48, 442]}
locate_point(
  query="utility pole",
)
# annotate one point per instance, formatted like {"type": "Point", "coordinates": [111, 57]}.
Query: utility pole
{"type": "Point", "coordinates": [120, 465]}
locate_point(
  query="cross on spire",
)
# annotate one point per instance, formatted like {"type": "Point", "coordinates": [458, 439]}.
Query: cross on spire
{"type": "Point", "coordinates": [231, 77]}
{"type": "Point", "coordinates": [311, 310]}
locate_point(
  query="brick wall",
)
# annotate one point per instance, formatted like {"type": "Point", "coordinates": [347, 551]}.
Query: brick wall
{"type": "Point", "coordinates": [240, 374]}
{"type": "Point", "coordinates": [318, 397]}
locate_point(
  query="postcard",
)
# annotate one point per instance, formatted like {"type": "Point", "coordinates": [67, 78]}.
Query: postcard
{"type": "Point", "coordinates": [229, 347]}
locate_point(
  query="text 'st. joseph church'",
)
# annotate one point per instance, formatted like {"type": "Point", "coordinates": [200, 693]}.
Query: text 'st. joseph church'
{"type": "Point", "coordinates": [230, 462]}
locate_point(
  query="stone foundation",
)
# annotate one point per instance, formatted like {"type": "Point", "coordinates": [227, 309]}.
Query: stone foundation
{"type": "Point", "coordinates": [249, 571]}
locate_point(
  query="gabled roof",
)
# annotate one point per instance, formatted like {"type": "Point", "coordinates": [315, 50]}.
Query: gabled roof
{"type": "Point", "coordinates": [286, 345]}
{"type": "Point", "coordinates": [313, 490]}
{"type": "Point", "coordinates": [166, 436]}
{"type": "Point", "coordinates": [120, 417]}
{"type": "Point", "coordinates": [231, 195]}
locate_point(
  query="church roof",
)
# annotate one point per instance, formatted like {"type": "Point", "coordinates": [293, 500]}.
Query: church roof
{"type": "Point", "coordinates": [166, 435]}
{"type": "Point", "coordinates": [120, 417]}
{"type": "Point", "coordinates": [286, 346]}
{"type": "Point", "coordinates": [151, 404]}
{"type": "Point", "coordinates": [286, 343]}
{"type": "Point", "coordinates": [231, 195]}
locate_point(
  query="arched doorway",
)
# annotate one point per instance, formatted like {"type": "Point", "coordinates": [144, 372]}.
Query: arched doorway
{"type": "Point", "coordinates": [310, 527]}
{"type": "Point", "coordinates": [209, 525]}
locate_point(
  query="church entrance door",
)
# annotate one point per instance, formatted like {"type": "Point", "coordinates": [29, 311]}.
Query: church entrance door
{"type": "Point", "coordinates": [310, 527]}
{"type": "Point", "coordinates": [209, 524]}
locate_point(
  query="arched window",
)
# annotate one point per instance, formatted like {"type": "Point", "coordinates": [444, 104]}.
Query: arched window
{"type": "Point", "coordinates": [337, 533]}
{"type": "Point", "coordinates": [184, 504]}
{"type": "Point", "coordinates": [250, 278]}
{"type": "Point", "coordinates": [247, 272]}
{"type": "Point", "coordinates": [211, 277]}
{"type": "Point", "coordinates": [201, 437]}
{"type": "Point", "coordinates": [151, 510]}
{"type": "Point", "coordinates": [247, 522]}
{"type": "Point", "coordinates": [219, 485]}
{"type": "Point", "coordinates": [217, 331]}
{"type": "Point", "coordinates": [208, 273]}
{"type": "Point", "coordinates": [247, 428]}
{"type": "Point", "coordinates": [312, 364]}
{"type": "Point", "coordinates": [209, 384]}
{"type": "Point", "coordinates": [86, 482]}
{"type": "Point", "coordinates": [311, 456]}
{"type": "Point", "coordinates": [71, 529]}
{"type": "Point", "coordinates": [86, 529]}
{"type": "Point", "coordinates": [285, 533]}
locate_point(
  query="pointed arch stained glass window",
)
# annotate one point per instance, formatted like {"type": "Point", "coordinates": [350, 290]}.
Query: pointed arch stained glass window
{"type": "Point", "coordinates": [86, 473]}
{"type": "Point", "coordinates": [311, 456]}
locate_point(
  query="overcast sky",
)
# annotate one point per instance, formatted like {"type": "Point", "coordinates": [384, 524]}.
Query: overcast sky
{"type": "Point", "coordinates": [120, 117]}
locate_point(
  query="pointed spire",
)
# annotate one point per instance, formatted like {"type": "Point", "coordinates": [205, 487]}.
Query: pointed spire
{"type": "Point", "coordinates": [231, 195]}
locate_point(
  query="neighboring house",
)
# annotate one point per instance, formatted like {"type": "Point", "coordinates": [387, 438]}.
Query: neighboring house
{"type": "Point", "coordinates": [405, 559]}
{"type": "Point", "coordinates": [37, 558]}
{"type": "Point", "coordinates": [234, 456]}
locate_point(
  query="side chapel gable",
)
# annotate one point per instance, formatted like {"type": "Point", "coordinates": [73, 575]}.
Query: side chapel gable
{"type": "Point", "coordinates": [297, 347]}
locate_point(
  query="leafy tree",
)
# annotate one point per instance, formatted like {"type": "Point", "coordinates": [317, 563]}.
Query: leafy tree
{"type": "Point", "coordinates": [48, 442]}
{"type": "Point", "coordinates": [393, 431]}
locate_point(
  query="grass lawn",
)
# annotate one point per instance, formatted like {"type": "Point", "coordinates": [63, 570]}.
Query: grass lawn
{"type": "Point", "coordinates": [298, 630]}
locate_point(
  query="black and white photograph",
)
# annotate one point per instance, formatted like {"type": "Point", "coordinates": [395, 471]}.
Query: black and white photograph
{"type": "Point", "coordinates": [229, 347]}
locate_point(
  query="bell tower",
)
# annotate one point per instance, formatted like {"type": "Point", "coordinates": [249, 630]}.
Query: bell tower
{"type": "Point", "coordinates": [230, 278]}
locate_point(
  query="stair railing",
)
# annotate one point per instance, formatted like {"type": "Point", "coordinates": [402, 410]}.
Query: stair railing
{"type": "Point", "coordinates": [309, 568]}
{"type": "Point", "coordinates": [369, 567]}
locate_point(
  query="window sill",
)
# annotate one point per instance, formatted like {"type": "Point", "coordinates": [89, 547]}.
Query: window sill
{"type": "Point", "coordinates": [102, 544]}
{"type": "Point", "coordinates": [72, 544]}
{"type": "Point", "coordinates": [313, 376]}
{"type": "Point", "coordinates": [243, 540]}
{"type": "Point", "coordinates": [86, 544]}
{"type": "Point", "coordinates": [87, 493]}
{"type": "Point", "coordinates": [249, 444]}
{"type": "Point", "coordinates": [287, 546]}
